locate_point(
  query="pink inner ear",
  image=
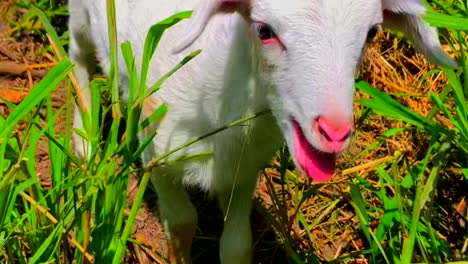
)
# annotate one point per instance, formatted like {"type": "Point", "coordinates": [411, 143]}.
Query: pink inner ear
{"type": "Point", "coordinates": [387, 13]}
{"type": "Point", "coordinates": [229, 6]}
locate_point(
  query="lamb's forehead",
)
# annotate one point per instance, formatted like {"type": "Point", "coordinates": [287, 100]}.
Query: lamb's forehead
{"type": "Point", "coordinates": [308, 8]}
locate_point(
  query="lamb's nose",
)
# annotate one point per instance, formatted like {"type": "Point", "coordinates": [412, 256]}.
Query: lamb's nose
{"type": "Point", "coordinates": [334, 132]}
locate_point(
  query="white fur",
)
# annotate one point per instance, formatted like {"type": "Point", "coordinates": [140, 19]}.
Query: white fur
{"type": "Point", "coordinates": [235, 76]}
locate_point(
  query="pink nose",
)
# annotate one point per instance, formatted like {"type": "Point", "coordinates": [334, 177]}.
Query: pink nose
{"type": "Point", "coordinates": [334, 132]}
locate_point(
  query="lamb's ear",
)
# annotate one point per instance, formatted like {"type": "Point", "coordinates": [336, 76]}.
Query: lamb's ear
{"type": "Point", "coordinates": [202, 14]}
{"type": "Point", "coordinates": [406, 16]}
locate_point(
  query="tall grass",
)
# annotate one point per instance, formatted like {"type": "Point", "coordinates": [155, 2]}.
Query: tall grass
{"type": "Point", "coordinates": [83, 217]}
{"type": "Point", "coordinates": [408, 192]}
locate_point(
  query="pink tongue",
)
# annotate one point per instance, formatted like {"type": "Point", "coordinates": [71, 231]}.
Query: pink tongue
{"type": "Point", "coordinates": [318, 165]}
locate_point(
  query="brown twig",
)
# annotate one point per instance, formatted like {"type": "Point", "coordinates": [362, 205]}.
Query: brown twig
{"type": "Point", "coordinates": [6, 52]}
{"type": "Point", "coordinates": [367, 166]}
{"type": "Point", "coordinates": [18, 69]}
{"type": "Point", "coordinates": [83, 105]}
{"type": "Point", "coordinates": [12, 95]}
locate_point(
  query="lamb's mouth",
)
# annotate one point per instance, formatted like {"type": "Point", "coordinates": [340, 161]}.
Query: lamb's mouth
{"type": "Point", "coordinates": [317, 164]}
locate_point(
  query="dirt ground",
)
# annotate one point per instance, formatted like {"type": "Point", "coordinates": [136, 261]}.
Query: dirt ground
{"type": "Point", "coordinates": [17, 77]}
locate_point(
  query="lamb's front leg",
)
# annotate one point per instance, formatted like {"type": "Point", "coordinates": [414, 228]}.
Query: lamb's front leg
{"type": "Point", "coordinates": [236, 240]}
{"type": "Point", "coordinates": [178, 215]}
{"type": "Point", "coordinates": [82, 53]}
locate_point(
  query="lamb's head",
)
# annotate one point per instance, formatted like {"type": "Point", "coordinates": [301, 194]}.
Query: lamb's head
{"type": "Point", "coordinates": [310, 51]}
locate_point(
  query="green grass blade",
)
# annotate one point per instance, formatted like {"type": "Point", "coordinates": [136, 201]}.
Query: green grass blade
{"type": "Point", "coordinates": [143, 145]}
{"type": "Point", "coordinates": [364, 220]}
{"type": "Point", "coordinates": [385, 105]}
{"type": "Point", "coordinates": [47, 245]}
{"type": "Point", "coordinates": [461, 104]}
{"type": "Point", "coordinates": [439, 20]}
{"type": "Point", "coordinates": [156, 116]}
{"type": "Point", "coordinates": [114, 59]}
{"type": "Point", "coordinates": [155, 161]}
{"type": "Point", "coordinates": [133, 113]}
{"type": "Point", "coordinates": [37, 94]}
{"type": "Point", "coordinates": [131, 219]}
{"type": "Point", "coordinates": [423, 195]}
{"type": "Point", "coordinates": [159, 83]}
{"type": "Point", "coordinates": [49, 28]}
{"type": "Point", "coordinates": [155, 87]}
{"type": "Point", "coordinates": [95, 87]}
{"type": "Point", "coordinates": [152, 41]}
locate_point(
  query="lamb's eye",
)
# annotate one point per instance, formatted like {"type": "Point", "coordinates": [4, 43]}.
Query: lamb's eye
{"type": "Point", "coordinates": [266, 33]}
{"type": "Point", "coordinates": [372, 33]}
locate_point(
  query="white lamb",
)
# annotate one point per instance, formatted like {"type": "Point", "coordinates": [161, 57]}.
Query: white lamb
{"type": "Point", "coordinates": [296, 57]}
